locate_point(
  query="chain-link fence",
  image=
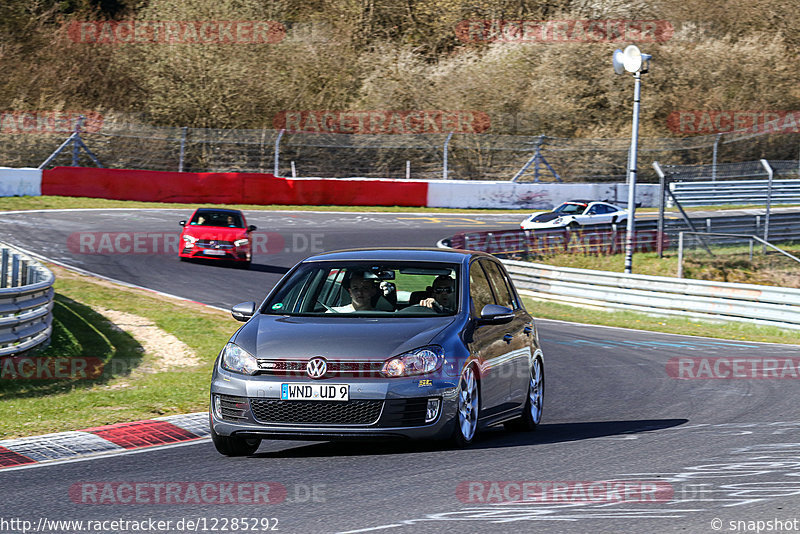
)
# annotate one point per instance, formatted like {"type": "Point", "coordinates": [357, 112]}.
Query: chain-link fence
{"type": "Point", "coordinates": [714, 255]}
{"type": "Point", "coordinates": [417, 156]}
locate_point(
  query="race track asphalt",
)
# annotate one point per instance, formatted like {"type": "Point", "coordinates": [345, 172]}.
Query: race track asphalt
{"type": "Point", "coordinates": [716, 449]}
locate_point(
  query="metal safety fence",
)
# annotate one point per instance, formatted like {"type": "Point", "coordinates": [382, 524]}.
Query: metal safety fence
{"type": "Point", "coordinates": [763, 305]}
{"type": "Point", "coordinates": [445, 155]}
{"type": "Point", "coordinates": [745, 183]}
{"type": "Point", "coordinates": [26, 302]}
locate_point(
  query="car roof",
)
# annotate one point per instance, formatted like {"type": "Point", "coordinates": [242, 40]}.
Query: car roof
{"type": "Point", "coordinates": [218, 210]}
{"type": "Point", "coordinates": [399, 254]}
{"type": "Point", "coordinates": [585, 201]}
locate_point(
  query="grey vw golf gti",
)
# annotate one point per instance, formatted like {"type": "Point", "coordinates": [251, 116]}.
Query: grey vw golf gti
{"type": "Point", "coordinates": [379, 343]}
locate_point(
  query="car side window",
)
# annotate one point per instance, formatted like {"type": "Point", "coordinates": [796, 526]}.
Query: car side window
{"type": "Point", "coordinates": [480, 291]}
{"type": "Point", "coordinates": [499, 284]}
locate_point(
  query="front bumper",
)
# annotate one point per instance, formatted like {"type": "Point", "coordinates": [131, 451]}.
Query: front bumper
{"type": "Point", "coordinates": [199, 253]}
{"type": "Point", "coordinates": [377, 409]}
{"type": "Point", "coordinates": [542, 226]}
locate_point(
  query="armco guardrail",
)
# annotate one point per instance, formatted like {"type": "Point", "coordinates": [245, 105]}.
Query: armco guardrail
{"type": "Point", "coordinates": [26, 302]}
{"type": "Point", "coordinates": [734, 192]}
{"type": "Point", "coordinates": [764, 305]}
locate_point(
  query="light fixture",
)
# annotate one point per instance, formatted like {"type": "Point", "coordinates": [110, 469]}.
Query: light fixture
{"type": "Point", "coordinates": [619, 67]}
{"type": "Point", "coordinates": [632, 60]}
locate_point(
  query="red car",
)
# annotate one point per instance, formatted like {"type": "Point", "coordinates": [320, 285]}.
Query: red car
{"type": "Point", "coordinates": [216, 234]}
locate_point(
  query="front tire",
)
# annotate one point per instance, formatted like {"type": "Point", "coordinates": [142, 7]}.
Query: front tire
{"type": "Point", "coordinates": [468, 406]}
{"type": "Point", "coordinates": [233, 446]}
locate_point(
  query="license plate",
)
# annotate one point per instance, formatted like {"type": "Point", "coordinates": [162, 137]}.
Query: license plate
{"type": "Point", "coordinates": [214, 252]}
{"type": "Point", "coordinates": [315, 392]}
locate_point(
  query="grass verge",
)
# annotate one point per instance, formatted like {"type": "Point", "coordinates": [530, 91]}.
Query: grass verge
{"type": "Point", "coordinates": [30, 407]}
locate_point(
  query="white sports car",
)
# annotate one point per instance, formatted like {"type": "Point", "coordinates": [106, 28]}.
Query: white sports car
{"type": "Point", "coordinates": [576, 213]}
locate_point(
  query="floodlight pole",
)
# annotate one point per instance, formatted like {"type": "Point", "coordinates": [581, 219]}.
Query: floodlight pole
{"type": "Point", "coordinates": [632, 156]}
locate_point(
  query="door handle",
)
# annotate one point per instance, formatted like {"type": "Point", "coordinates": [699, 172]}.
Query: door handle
{"type": "Point", "coordinates": [507, 338]}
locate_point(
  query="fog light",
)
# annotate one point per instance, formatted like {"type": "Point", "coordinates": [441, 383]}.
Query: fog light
{"type": "Point", "coordinates": [218, 406]}
{"type": "Point", "coordinates": [432, 411]}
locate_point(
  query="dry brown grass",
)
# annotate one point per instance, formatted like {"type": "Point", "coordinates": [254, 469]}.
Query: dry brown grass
{"type": "Point", "coordinates": [383, 55]}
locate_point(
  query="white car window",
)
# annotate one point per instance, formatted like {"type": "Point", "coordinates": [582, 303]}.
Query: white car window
{"type": "Point", "coordinates": [603, 209]}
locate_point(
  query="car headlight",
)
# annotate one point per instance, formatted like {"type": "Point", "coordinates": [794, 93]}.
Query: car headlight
{"type": "Point", "coordinates": [241, 242]}
{"type": "Point", "coordinates": [238, 360]}
{"type": "Point", "coordinates": [189, 239]}
{"type": "Point", "coordinates": [558, 220]}
{"type": "Point", "coordinates": [416, 362]}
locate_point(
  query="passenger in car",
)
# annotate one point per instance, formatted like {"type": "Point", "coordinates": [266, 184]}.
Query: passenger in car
{"type": "Point", "coordinates": [365, 294]}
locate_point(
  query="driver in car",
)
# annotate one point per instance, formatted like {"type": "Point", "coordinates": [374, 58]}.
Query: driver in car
{"type": "Point", "coordinates": [443, 299]}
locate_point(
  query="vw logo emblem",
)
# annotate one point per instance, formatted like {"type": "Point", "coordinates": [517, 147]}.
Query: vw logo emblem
{"type": "Point", "coordinates": [316, 367]}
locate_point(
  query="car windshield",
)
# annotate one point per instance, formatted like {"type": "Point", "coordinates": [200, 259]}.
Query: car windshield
{"type": "Point", "coordinates": [217, 218]}
{"type": "Point", "coordinates": [390, 289]}
{"type": "Point", "coordinates": [568, 208]}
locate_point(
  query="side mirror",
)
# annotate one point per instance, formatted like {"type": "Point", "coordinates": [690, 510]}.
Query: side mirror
{"type": "Point", "coordinates": [494, 314]}
{"type": "Point", "coordinates": [182, 223]}
{"type": "Point", "coordinates": [252, 228]}
{"type": "Point", "coordinates": [243, 311]}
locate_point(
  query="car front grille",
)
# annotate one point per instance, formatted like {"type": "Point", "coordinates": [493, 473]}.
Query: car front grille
{"type": "Point", "coordinates": [353, 412]}
{"type": "Point", "coordinates": [209, 243]}
{"type": "Point", "coordinates": [335, 368]}
{"type": "Point", "coordinates": [233, 408]}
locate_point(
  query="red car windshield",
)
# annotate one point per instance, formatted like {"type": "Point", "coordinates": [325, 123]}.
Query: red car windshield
{"type": "Point", "coordinates": [217, 218]}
